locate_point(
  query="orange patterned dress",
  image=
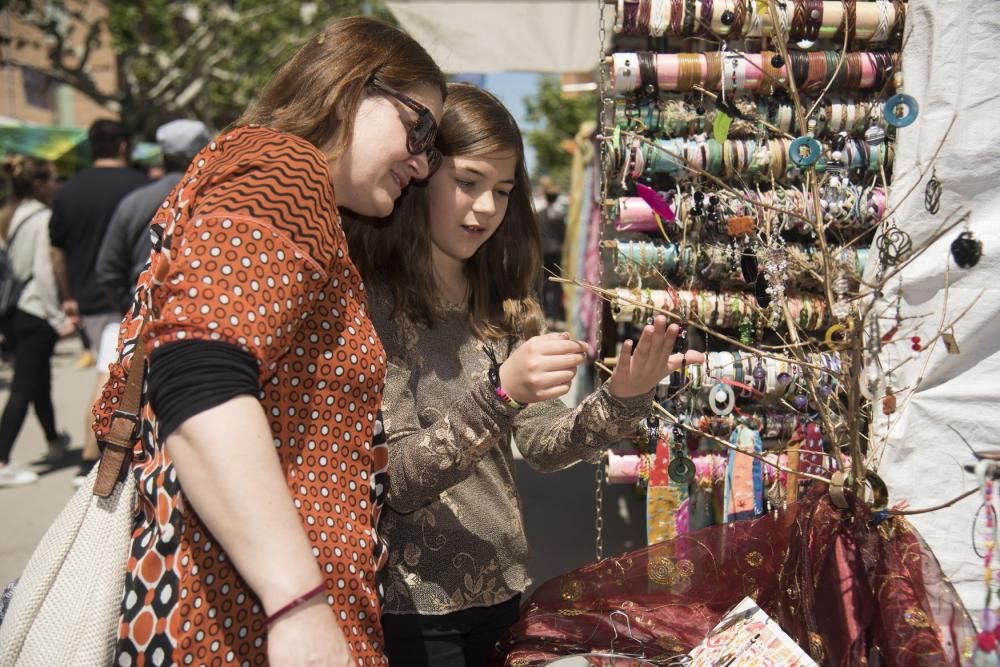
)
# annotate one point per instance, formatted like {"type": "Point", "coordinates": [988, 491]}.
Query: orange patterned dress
{"type": "Point", "coordinates": [248, 250]}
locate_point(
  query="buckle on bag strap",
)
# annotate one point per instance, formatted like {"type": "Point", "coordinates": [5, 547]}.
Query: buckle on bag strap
{"type": "Point", "coordinates": [124, 428]}
{"type": "Point", "coordinates": [117, 452]}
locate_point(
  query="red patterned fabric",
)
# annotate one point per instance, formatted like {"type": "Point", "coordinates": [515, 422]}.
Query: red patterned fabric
{"type": "Point", "coordinates": [839, 584]}
{"type": "Point", "coordinates": [248, 250]}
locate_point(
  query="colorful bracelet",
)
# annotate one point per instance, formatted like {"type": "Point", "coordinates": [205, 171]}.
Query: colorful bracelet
{"type": "Point", "coordinates": [311, 593]}
{"type": "Point", "coordinates": [510, 402]}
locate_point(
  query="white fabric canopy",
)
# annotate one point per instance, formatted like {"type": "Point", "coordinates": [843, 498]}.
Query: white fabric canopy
{"type": "Point", "coordinates": [952, 68]}
{"type": "Point", "coordinates": [507, 35]}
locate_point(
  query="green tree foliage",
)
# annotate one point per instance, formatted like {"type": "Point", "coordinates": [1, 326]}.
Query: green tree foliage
{"type": "Point", "coordinates": [197, 58]}
{"type": "Point", "coordinates": [559, 119]}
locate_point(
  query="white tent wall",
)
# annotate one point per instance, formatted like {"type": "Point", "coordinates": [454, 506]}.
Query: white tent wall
{"type": "Point", "coordinates": [479, 36]}
{"type": "Point", "coordinates": [952, 67]}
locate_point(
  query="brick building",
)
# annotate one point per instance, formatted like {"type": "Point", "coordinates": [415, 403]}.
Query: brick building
{"type": "Point", "coordinates": [28, 94]}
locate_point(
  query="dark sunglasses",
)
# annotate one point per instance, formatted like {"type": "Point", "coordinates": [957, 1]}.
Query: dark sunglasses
{"type": "Point", "coordinates": [419, 136]}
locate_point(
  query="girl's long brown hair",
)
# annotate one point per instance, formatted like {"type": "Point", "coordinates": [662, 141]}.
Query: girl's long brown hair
{"type": "Point", "coordinates": [316, 94]}
{"type": "Point", "coordinates": [503, 275]}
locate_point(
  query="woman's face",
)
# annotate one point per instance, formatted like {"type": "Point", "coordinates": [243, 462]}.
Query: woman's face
{"type": "Point", "coordinates": [467, 200]}
{"type": "Point", "coordinates": [376, 167]}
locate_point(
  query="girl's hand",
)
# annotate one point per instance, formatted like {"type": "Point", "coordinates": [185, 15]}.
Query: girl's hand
{"type": "Point", "coordinates": [639, 372]}
{"type": "Point", "coordinates": [542, 368]}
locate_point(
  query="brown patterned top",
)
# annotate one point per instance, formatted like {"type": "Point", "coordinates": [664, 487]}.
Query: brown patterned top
{"type": "Point", "coordinates": [453, 516]}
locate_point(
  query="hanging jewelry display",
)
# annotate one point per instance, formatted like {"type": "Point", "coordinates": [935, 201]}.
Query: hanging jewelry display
{"type": "Point", "coordinates": [932, 194]}
{"type": "Point", "coordinates": [746, 179]}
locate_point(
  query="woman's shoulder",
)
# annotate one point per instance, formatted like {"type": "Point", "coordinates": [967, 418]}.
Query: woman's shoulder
{"type": "Point", "coordinates": [30, 215]}
{"type": "Point", "coordinates": [276, 178]}
{"type": "Point", "coordinates": [266, 153]}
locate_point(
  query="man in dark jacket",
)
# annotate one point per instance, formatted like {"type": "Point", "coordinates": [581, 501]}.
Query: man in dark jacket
{"type": "Point", "coordinates": [127, 244]}
{"type": "Point", "coordinates": [81, 213]}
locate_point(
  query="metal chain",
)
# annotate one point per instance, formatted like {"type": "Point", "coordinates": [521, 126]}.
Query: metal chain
{"type": "Point", "coordinates": [599, 507]}
{"type": "Point", "coordinates": [605, 104]}
{"type": "Point", "coordinates": [605, 101]}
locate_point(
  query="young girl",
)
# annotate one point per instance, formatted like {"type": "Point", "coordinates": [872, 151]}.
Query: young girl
{"type": "Point", "coordinates": [458, 555]}
{"type": "Point", "coordinates": [260, 463]}
{"type": "Point", "coordinates": [34, 326]}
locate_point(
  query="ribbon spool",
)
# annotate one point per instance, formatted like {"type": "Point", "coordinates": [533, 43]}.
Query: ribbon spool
{"type": "Point", "coordinates": [896, 101]}
{"type": "Point", "coordinates": [795, 151]}
{"type": "Point", "coordinates": [838, 489]}
{"type": "Point", "coordinates": [876, 493]}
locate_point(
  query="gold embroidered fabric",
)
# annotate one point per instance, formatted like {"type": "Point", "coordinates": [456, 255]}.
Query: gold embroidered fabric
{"type": "Point", "coordinates": [453, 515]}
{"type": "Point", "coordinates": [844, 584]}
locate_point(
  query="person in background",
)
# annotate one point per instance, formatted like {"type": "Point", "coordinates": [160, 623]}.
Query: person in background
{"type": "Point", "coordinates": [262, 467]}
{"type": "Point", "coordinates": [32, 329]}
{"type": "Point", "coordinates": [81, 213]}
{"type": "Point", "coordinates": [552, 224]}
{"type": "Point", "coordinates": [127, 244]}
{"type": "Point", "coordinates": [469, 370]}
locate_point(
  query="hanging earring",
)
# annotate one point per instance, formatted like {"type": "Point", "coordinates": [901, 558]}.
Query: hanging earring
{"type": "Point", "coordinates": [681, 468]}
{"type": "Point", "coordinates": [887, 337]}
{"type": "Point", "coordinates": [894, 245]}
{"type": "Point", "coordinates": [932, 194]}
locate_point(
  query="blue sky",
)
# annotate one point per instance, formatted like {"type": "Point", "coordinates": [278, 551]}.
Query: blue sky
{"type": "Point", "coordinates": [512, 88]}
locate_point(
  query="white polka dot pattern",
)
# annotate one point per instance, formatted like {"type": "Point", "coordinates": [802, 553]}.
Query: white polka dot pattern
{"type": "Point", "coordinates": [245, 252]}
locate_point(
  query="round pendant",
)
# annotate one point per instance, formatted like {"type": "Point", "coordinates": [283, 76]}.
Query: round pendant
{"type": "Point", "coordinates": [681, 470]}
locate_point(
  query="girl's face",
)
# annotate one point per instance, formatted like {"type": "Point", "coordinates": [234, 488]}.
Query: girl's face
{"type": "Point", "coordinates": [467, 201]}
{"type": "Point", "coordinates": [376, 167]}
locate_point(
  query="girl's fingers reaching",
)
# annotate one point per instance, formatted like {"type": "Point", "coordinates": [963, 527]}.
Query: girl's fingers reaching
{"type": "Point", "coordinates": [560, 362]}
{"type": "Point", "coordinates": [690, 357]}
{"type": "Point", "coordinates": [694, 357]}
{"type": "Point", "coordinates": [556, 378]}
{"type": "Point", "coordinates": [624, 364]}
{"type": "Point", "coordinates": [562, 346]}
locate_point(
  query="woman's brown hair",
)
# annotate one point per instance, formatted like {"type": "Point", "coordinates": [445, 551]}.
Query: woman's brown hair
{"type": "Point", "coordinates": [503, 274]}
{"type": "Point", "coordinates": [316, 94]}
{"type": "Point", "coordinates": [20, 178]}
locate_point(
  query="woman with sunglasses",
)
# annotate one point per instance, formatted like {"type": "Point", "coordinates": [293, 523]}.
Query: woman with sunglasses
{"type": "Point", "coordinates": [458, 558]}
{"type": "Point", "coordinates": [260, 459]}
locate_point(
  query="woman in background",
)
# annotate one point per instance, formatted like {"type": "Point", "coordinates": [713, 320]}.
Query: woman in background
{"type": "Point", "coordinates": [32, 328]}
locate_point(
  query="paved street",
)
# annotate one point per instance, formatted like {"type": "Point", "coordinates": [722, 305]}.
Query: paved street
{"type": "Point", "coordinates": [26, 511]}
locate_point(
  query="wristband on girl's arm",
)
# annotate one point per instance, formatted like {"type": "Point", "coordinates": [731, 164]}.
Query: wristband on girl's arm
{"type": "Point", "coordinates": [510, 402]}
{"type": "Point", "coordinates": [494, 376]}
{"type": "Point", "coordinates": [305, 597]}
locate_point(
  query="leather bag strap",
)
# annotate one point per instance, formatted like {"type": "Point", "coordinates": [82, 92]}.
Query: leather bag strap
{"type": "Point", "coordinates": [124, 427]}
